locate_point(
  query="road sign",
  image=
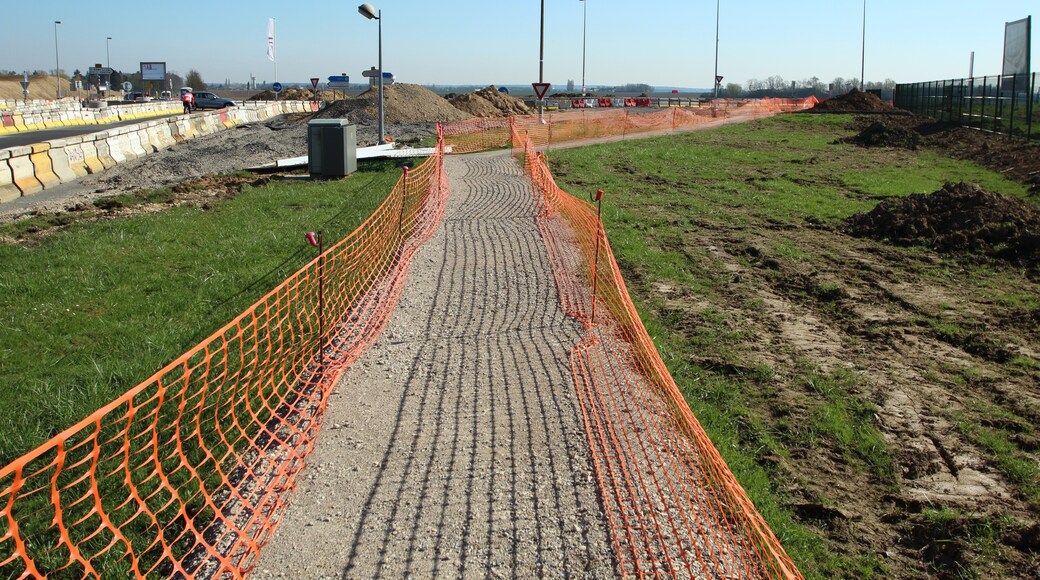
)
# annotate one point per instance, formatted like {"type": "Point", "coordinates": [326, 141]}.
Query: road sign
{"type": "Point", "coordinates": [25, 84]}
{"type": "Point", "coordinates": [370, 73]}
{"type": "Point", "coordinates": [339, 79]}
{"type": "Point", "coordinates": [277, 87]}
{"type": "Point", "coordinates": [718, 79]}
{"type": "Point", "coordinates": [127, 86]}
{"type": "Point", "coordinates": [314, 82]}
{"type": "Point", "coordinates": [99, 70]}
{"type": "Point", "coordinates": [540, 89]}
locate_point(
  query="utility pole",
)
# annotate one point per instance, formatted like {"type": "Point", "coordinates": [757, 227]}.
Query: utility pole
{"type": "Point", "coordinates": [541, 61]}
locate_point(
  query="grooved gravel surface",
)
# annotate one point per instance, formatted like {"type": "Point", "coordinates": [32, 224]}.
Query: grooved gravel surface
{"type": "Point", "coordinates": [454, 447]}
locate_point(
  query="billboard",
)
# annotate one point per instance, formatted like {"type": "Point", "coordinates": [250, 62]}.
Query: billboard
{"type": "Point", "coordinates": [1016, 47]}
{"type": "Point", "coordinates": [153, 71]}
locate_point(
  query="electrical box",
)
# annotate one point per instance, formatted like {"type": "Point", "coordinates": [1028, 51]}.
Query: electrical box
{"type": "Point", "coordinates": [331, 147]}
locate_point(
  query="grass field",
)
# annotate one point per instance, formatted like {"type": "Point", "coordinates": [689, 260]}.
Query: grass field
{"type": "Point", "coordinates": [847, 382]}
{"type": "Point", "coordinates": [94, 307]}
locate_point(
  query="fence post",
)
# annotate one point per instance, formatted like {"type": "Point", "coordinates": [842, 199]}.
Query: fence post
{"type": "Point", "coordinates": [595, 264]}
{"type": "Point", "coordinates": [321, 301]}
{"type": "Point", "coordinates": [1014, 98]}
{"type": "Point", "coordinates": [971, 102]}
{"type": "Point", "coordinates": [404, 197]}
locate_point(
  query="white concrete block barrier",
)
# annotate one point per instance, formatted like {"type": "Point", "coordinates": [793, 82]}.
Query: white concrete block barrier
{"type": "Point", "coordinates": [33, 168]}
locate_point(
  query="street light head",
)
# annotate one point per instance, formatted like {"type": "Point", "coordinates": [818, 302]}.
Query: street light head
{"type": "Point", "coordinates": [57, 21]}
{"type": "Point", "coordinates": [108, 38]}
{"type": "Point", "coordinates": [368, 11]}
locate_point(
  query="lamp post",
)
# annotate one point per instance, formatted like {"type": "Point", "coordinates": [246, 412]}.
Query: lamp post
{"type": "Point", "coordinates": [863, 54]}
{"type": "Point", "coordinates": [717, 49]}
{"type": "Point", "coordinates": [108, 51]}
{"type": "Point", "coordinates": [368, 11]}
{"type": "Point", "coordinates": [57, 65]}
{"type": "Point", "coordinates": [541, 61]}
{"type": "Point", "coordinates": [584, 25]}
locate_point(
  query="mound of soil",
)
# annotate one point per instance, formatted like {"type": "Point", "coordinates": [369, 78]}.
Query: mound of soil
{"type": "Point", "coordinates": [403, 103]}
{"type": "Point", "coordinates": [957, 218]}
{"type": "Point", "coordinates": [489, 102]}
{"type": "Point", "coordinates": [879, 134]}
{"type": "Point", "coordinates": [475, 105]}
{"type": "Point", "coordinates": [854, 101]}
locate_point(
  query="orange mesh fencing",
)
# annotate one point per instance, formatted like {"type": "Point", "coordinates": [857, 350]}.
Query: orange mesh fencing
{"type": "Point", "coordinates": [580, 124]}
{"type": "Point", "coordinates": [672, 504]}
{"type": "Point", "coordinates": [187, 474]}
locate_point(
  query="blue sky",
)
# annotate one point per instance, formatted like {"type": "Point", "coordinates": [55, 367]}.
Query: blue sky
{"type": "Point", "coordinates": [668, 42]}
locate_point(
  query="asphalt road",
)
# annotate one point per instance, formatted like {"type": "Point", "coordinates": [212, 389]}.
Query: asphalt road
{"type": "Point", "coordinates": [30, 137]}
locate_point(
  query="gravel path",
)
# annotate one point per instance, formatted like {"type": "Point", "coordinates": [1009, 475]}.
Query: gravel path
{"type": "Point", "coordinates": [454, 447]}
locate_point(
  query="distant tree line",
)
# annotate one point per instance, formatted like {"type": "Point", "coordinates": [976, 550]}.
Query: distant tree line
{"type": "Point", "coordinates": [777, 86]}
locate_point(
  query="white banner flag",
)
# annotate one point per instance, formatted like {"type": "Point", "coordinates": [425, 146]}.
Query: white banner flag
{"type": "Point", "coordinates": [270, 39]}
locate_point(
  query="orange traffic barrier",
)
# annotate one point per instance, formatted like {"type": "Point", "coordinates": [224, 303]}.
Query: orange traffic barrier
{"type": "Point", "coordinates": [673, 506]}
{"type": "Point", "coordinates": [188, 473]}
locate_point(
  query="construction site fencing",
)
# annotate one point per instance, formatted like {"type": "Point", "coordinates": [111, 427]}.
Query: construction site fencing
{"type": "Point", "coordinates": [187, 474]}
{"type": "Point", "coordinates": [673, 506]}
{"type": "Point", "coordinates": [551, 127]}
{"type": "Point", "coordinates": [1009, 105]}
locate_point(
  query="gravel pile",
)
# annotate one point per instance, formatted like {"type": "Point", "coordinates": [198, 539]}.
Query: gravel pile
{"type": "Point", "coordinates": [489, 102]}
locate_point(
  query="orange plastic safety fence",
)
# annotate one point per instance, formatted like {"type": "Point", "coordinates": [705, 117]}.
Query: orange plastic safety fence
{"type": "Point", "coordinates": [580, 124]}
{"type": "Point", "coordinates": [673, 506]}
{"type": "Point", "coordinates": [186, 474]}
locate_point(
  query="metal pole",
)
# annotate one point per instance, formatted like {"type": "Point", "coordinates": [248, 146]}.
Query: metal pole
{"type": "Point", "coordinates": [863, 54]}
{"type": "Point", "coordinates": [108, 52]}
{"type": "Point", "coordinates": [57, 66]}
{"type": "Point", "coordinates": [584, 27]}
{"type": "Point", "coordinates": [379, 17]}
{"type": "Point", "coordinates": [971, 65]}
{"type": "Point", "coordinates": [717, 2]}
{"type": "Point", "coordinates": [541, 60]}
{"type": "Point", "coordinates": [321, 301]}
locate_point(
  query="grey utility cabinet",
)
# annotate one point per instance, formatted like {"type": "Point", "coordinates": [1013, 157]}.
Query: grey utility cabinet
{"type": "Point", "coordinates": [331, 147]}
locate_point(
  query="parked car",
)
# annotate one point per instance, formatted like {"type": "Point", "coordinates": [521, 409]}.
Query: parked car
{"type": "Point", "coordinates": [137, 97]}
{"type": "Point", "coordinates": [207, 100]}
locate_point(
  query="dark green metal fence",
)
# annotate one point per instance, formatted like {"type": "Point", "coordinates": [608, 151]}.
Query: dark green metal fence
{"type": "Point", "coordinates": [1009, 105]}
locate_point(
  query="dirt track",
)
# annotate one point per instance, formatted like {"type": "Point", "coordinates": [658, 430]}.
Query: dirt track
{"type": "Point", "coordinates": [454, 448]}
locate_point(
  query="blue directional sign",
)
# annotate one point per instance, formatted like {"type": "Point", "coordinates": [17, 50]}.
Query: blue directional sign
{"type": "Point", "coordinates": [339, 79]}
{"type": "Point", "coordinates": [277, 87]}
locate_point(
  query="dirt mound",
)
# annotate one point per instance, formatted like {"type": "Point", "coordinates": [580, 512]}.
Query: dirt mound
{"type": "Point", "coordinates": [957, 218]}
{"type": "Point", "coordinates": [403, 103]}
{"type": "Point", "coordinates": [879, 134]}
{"type": "Point", "coordinates": [854, 101]}
{"type": "Point", "coordinates": [475, 105]}
{"type": "Point", "coordinates": [489, 102]}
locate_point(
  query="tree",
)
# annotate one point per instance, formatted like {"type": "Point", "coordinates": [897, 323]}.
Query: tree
{"type": "Point", "coordinates": [194, 80]}
{"type": "Point", "coordinates": [733, 90]}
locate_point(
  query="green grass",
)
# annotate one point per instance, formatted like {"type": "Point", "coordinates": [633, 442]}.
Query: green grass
{"type": "Point", "coordinates": [92, 310]}
{"type": "Point", "coordinates": [778, 172]}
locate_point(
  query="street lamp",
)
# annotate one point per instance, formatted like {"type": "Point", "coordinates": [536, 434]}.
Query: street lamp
{"type": "Point", "coordinates": [57, 65]}
{"type": "Point", "coordinates": [863, 54]}
{"type": "Point", "coordinates": [108, 51]}
{"type": "Point", "coordinates": [584, 21]}
{"type": "Point", "coordinates": [368, 11]}
{"type": "Point", "coordinates": [717, 2]}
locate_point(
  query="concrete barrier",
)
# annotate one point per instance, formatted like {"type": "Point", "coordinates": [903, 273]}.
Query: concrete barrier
{"type": "Point", "coordinates": [30, 169]}
{"type": "Point", "coordinates": [104, 149]}
{"type": "Point", "coordinates": [60, 164]}
{"type": "Point", "coordinates": [22, 172]}
{"type": "Point", "coordinates": [42, 168]}
{"type": "Point", "coordinates": [8, 190]}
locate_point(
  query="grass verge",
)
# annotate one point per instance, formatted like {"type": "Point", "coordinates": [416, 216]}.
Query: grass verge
{"type": "Point", "coordinates": [95, 308]}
